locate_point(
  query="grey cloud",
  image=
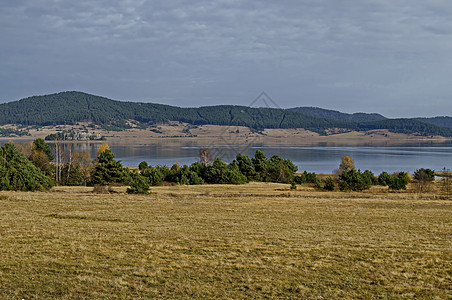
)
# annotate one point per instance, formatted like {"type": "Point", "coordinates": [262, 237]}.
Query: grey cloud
{"type": "Point", "coordinates": [349, 55]}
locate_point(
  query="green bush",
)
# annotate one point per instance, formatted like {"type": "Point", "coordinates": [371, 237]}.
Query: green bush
{"type": "Point", "coordinates": [18, 173]}
{"type": "Point", "coordinates": [399, 181]}
{"type": "Point", "coordinates": [352, 180]}
{"type": "Point", "coordinates": [384, 179]}
{"type": "Point", "coordinates": [232, 175]}
{"type": "Point", "coordinates": [318, 184]}
{"type": "Point", "coordinates": [138, 184]}
{"type": "Point", "coordinates": [72, 175]}
{"type": "Point", "coordinates": [424, 175]}
{"type": "Point", "coordinates": [329, 184]}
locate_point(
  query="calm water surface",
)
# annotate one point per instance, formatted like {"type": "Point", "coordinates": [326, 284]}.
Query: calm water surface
{"type": "Point", "coordinates": [322, 159]}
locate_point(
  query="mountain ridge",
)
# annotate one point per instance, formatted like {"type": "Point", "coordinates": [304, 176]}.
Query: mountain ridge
{"type": "Point", "coordinates": [72, 107]}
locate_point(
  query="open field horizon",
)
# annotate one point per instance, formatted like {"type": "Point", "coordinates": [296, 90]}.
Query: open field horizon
{"type": "Point", "coordinates": [220, 241]}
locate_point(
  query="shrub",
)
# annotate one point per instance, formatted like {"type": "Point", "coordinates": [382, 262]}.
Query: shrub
{"type": "Point", "coordinates": [232, 175]}
{"type": "Point", "coordinates": [138, 184]}
{"type": "Point", "coordinates": [399, 181]}
{"type": "Point", "coordinates": [424, 175]}
{"type": "Point", "coordinates": [352, 180]}
{"type": "Point", "coordinates": [143, 166]}
{"type": "Point", "coordinates": [72, 175]}
{"type": "Point", "coordinates": [329, 184]}
{"type": "Point", "coordinates": [318, 184]}
{"type": "Point", "coordinates": [384, 179]}
{"type": "Point", "coordinates": [370, 177]}
{"type": "Point", "coordinates": [157, 175]}
{"type": "Point", "coordinates": [299, 179]}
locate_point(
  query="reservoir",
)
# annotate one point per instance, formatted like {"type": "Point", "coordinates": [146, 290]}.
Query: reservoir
{"type": "Point", "coordinates": [316, 158]}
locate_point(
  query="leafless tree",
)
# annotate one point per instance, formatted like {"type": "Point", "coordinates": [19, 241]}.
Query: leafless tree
{"type": "Point", "coordinates": [205, 156]}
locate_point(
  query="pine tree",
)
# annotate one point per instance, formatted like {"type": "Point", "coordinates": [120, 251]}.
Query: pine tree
{"type": "Point", "coordinates": [108, 170]}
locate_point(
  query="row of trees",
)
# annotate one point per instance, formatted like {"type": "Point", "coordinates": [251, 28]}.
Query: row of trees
{"type": "Point", "coordinates": [350, 179]}
{"type": "Point", "coordinates": [28, 167]}
{"type": "Point", "coordinates": [74, 168]}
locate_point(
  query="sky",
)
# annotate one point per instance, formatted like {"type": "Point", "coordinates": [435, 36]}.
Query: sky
{"type": "Point", "coordinates": [392, 57]}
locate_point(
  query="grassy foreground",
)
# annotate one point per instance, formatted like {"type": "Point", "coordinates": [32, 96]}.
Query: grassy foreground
{"type": "Point", "coordinates": [249, 241]}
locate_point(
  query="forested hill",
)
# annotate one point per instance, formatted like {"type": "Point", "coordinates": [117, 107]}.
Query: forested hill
{"type": "Point", "coordinates": [337, 115]}
{"type": "Point", "coordinates": [73, 107]}
{"type": "Point", "coordinates": [438, 121]}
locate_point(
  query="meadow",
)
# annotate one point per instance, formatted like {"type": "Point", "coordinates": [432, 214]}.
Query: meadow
{"type": "Point", "coordinates": [257, 240]}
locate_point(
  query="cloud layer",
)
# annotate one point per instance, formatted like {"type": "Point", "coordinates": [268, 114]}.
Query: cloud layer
{"type": "Point", "coordinates": [391, 57]}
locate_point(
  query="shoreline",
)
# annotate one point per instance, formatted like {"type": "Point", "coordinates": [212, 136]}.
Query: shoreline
{"type": "Point", "coordinates": [182, 134]}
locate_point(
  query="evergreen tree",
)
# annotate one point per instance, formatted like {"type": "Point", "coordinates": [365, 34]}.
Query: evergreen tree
{"type": "Point", "coordinates": [399, 181]}
{"type": "Point", "coordinates": [108, 170]}
{"type": "Point", "coordinates": [280, 170]}
{"type": "Point", "coordinates": [261, 166]}
{"type": "Point", "coordinates": [18, 173]}
{"type": "Point", "coordinates": [384, 179]}
{"type": "Point", "coordinates": [232, 175]}
{"type": "Point", "coordinates": [139, 184]}
{"type": "Point", "coordinates": [352, 180]}
{"type": "Point", "coordinates": [329, 184]}
{"type": "Point", "coordinates": [40, 145]}
{"type": "Point", "coordinates": [246, 166]}
{"type": "Point", "coordinates": [215, 172]}
{"type": "Point", "coordinates": [72, 176]}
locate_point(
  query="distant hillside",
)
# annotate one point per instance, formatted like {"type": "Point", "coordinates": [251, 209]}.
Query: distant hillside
{"type": "Point", "coordinates": [336, 115]}
{"type": "Point", "coordinates": [73, 107]}
{"type": "Point", "coordinates": [438, 121]}
{"type": "Point", "coordinates": [409, 126]}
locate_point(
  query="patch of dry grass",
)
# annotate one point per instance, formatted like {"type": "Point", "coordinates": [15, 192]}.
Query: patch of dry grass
{"type": "Point", "coordinates": [222, 241]}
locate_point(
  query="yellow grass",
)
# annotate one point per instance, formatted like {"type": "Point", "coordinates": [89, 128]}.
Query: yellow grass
{"type": "Point", "coordinates": [251, 241]}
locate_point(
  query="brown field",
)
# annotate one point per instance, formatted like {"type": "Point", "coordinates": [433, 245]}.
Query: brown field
{"type": "Point", "coordinates": [250, 241]}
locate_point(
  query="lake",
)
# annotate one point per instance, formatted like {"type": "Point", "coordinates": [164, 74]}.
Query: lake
{"type": "Point", "coordinates": [321, 159]}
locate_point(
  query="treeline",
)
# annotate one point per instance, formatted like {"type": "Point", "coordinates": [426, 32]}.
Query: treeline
{"type": "Point", "coordinates": [409, 126]}
{"type": "Point", "coordinates": [337, 115]}
{"type": "Point", "coordinates": [28, 167]}
{"type": "Point", "coordinates": [350, 179]}
{"type": "Point", "coordinates": [438, 121]}
{"type": "Point", "coordinates": [72, 107]}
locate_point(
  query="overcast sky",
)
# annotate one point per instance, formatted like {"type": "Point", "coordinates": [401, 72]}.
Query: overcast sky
{"type": "Point", "coordinates": [393, 57]}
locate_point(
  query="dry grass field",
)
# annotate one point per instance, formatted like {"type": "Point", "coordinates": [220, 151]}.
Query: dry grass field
{"type": "Point", "coordinates": [247, 241]}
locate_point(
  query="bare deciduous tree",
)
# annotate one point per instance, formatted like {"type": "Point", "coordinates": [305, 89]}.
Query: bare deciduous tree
{"type": "Point", "coordinates": [205, 156]}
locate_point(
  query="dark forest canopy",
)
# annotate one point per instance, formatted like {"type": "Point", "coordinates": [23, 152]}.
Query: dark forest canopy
{"type": "Point", "coordinates": [72, 107]}
{"type": "Point", "coordinates": [337, 115]}
{"type": "Point", "coordinates": [438, 121]}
